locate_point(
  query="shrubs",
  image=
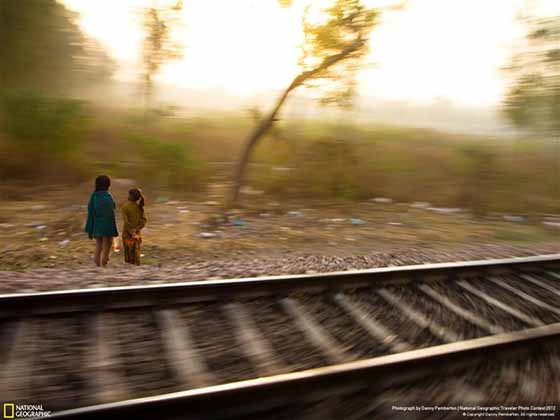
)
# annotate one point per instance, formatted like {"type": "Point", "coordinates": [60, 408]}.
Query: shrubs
{"type": "Point", "coordinates": [163, 163]}
{"type": "Point", "coordinates": [41, 132]}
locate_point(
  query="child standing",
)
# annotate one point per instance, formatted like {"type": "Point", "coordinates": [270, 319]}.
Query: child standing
{"type": "Point", "coordinates": [134, 220]}
{"type": "Point", "coordinates": [101, 223]}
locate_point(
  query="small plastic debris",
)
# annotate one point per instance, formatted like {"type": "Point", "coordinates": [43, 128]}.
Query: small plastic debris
{"type": "Point", "coordinates": [445, 210]}
{"type": "Point", "coordinates": [34, 224]}
{"type": "Point", "coordinates": [184, 211]}
{"type": "Point", "coordinates": [395, 223]}
{"type": "Point", "coordinates": [239, 222]}
{"type": "Point", "coordinates": [172, 202]}
{"type": "Point", "coordinates": [161, 200]}
{"type": "Point", "coordinates": [64, 242]}
{"type": "Point", "coordinates": [382, 200]}
{"type": "Point", "coordinates": [41, 227]}
{"type": "Point", "coordinates": [43, 239]}
{"type": "Point", "coordinates": [420, 205]}
{"type": "Point", "coordinates": [251, 191]}
{"type": "Point", "coordinates": [207, 235]}
{"type": "Point", "coordinates": [357, 221]}
{"type": "Point", "coordinates": [516, 219]}
{"type": "Point", "coordinates": [295, 213]}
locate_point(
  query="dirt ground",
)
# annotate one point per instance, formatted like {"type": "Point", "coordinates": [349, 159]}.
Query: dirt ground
{"type": "Point", "coordinates": [44, 229]}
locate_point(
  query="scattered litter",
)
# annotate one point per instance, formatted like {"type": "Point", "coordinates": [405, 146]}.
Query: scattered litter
{"type": "Point", "coordinates": [335, 220]}
{"type": "Point", "coordinates": [350, 239]}
{"type": "Point", "coordinates": [64, 242]}
{"type": "Point", "coordinates": [295, 213]}
{"type": "Point", "coordinates": [160, 200]}
{"type": "Point", "coordinates": [239, 222]}
{"type": "Point", "coordinates": [251, 191]}
{"type": "Point", "coordinates": [207, 235]}
{"type": "Point", "coordinates": [357, 221]}
{"type": "Point", "coordinates": [35, 224]}
{"type": "Point", "coordinates": [445, 210]}
{"type": "Point", "coordinates": [53, 257]}
{"type": "Point", "coordinates": [395, 223]}
{"type": "Point", "coordinates": [516, 219]}
{"type": "Point", "coordinates": [141, 255]}
{"type": "Point", "coordinates": [41, 227]}
{"type": "Point", "coordinates": [420, 205]}
{"type": "Point", "coordinates": [43, 239]}
{"type": "Point", "coordinates": [382, 200]}
{"type": "Point", "coordinates": [184, 211]}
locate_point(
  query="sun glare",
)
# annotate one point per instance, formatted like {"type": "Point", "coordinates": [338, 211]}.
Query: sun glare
{"type": "Point", "coordinates": [430, 49]}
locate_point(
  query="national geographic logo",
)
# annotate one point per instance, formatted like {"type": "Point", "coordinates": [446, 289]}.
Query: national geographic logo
{"type": "Point", "coordinates": [23, 411]}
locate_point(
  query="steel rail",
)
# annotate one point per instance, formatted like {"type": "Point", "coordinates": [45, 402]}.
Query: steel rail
{"type": "Point", "coordinates": [28, 304]}
{"type": "Point", "coordinates": [240, 399]}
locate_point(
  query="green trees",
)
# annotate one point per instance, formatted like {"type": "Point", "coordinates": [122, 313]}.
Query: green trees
{"type": "Point", "coordinates": [43, 49]}
{"type": "Point", "coordinates": [533, 100]}
{"type": "Point", "coordinates": [330, 54]}
{"type": "Point", "coordinates": [158, 46]}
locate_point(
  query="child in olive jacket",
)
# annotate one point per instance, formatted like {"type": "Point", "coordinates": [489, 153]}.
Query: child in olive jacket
{"type": "Point", "coordinates": [134, 220]}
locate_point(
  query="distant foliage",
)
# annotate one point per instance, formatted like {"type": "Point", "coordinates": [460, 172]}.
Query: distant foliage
{"type": "Point", "coordinates": [164, 163]}
{"type": "Point", "coordinates": [42, 48]}
{"type": "Point", "coordinates": [159, 47]}
{"type": "Point", "coordinates": [533, 100]}
{"type": "Point", "coordinates": [43, 126]}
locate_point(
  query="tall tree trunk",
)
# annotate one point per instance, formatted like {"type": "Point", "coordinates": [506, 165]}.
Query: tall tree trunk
{"type": "Point", "coordinates": [258, 133]}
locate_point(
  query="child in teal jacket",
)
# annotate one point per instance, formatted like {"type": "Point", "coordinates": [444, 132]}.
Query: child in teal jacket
{"type": "Point", "coordinates": [101, 223]}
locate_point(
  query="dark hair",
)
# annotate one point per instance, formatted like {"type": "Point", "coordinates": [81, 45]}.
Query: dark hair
{"type": "Point", "coordinates": [135, 194]}
{"type": "Point", "coordinates": [102, 183]}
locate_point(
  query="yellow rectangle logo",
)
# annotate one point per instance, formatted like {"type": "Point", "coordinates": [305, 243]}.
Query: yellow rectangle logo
{"type": "Point", "coordinates": [9, 410]}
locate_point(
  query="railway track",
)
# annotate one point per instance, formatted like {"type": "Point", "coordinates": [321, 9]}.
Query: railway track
{"type": "Point", "coordinates": [340, 345]}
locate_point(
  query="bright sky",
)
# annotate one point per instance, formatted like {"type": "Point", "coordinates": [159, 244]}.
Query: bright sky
{"type": "Point", "coordinates": [452, 49]}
